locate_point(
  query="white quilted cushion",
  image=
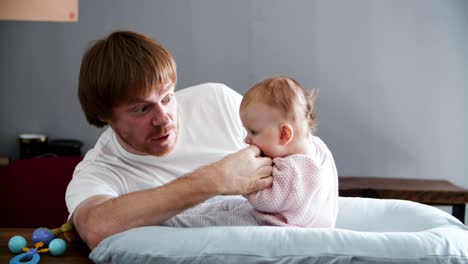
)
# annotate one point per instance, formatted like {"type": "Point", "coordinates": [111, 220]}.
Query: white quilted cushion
{"type": "Point", "coordinates": [368, 231]}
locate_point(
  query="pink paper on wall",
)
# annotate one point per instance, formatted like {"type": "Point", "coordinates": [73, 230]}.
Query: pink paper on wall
{"type": "Point", "coordinates": [39, 10]}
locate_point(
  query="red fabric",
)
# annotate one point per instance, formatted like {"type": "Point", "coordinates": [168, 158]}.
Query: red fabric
{"type": "Point", "coordinates": [33, 192]}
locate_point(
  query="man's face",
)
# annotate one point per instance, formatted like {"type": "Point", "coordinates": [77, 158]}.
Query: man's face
{"type": "Point", "coordinates": [147, 126]}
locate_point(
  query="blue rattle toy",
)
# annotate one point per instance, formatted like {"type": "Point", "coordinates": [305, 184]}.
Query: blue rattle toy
{"type": "Point", "coordinates": [44, 241]}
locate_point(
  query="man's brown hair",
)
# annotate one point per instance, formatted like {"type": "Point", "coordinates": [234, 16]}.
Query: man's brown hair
{"type": "Point", "coordinates": [120, 67]}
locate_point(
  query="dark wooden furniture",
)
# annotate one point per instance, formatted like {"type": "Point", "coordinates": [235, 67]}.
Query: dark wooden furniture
{"type": "Point", "coordinates": [76, 253]}
{"type": "Point", "coordinates": [33, 191]}
{"type": "Point", "coordinates": [433, 192]}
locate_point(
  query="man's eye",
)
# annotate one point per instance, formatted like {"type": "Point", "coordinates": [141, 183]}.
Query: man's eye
{"type": "Point", "coordinates": [167, 98]}
{"type": "Point", "coordinates": [253, 132]}
{"type": "Point", "coordinates": [142, 109]}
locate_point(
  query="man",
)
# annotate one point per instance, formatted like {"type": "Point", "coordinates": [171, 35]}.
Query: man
{"type": "Point", "coordinates": [159, 155]}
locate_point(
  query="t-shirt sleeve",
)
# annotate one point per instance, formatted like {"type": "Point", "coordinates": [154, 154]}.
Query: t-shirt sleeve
{"type": "Point", "coordinates": [232, 100]}
{"type": "Point", "coordinates": [214, 109]}
{"type": "Point", "coordinates": [90, 180]}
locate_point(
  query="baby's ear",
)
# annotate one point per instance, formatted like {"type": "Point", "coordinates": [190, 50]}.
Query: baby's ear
{"type": "Point", "coordinates": [286, 134]}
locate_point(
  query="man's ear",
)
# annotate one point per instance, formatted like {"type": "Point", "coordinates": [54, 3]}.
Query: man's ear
{"type": "Point", "coordinates": [286, 134]}
{"type": "Point", "coordinates": [103, 118]}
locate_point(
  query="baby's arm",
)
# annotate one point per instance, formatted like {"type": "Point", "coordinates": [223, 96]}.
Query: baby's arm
{"type": "Point", "coordinates": [273, 200]}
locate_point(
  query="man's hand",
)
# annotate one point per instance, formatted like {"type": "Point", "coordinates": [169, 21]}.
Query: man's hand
{"type": "Point", "coordinates": [243, 172]}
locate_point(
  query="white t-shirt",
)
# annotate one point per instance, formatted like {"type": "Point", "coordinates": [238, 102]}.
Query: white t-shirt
{"type": "Point", "coordinates": [209, 129]}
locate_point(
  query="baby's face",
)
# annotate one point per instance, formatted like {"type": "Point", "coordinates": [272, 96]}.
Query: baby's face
{"type": "Point", "coordinates": [262, 123]}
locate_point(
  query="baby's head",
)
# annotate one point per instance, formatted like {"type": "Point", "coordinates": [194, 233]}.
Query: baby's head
{"type": "Point", "coordinates": [278, 115]}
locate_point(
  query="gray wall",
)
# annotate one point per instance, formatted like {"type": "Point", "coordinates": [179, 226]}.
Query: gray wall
{"type": "Point", "coordinates": [392, 75]}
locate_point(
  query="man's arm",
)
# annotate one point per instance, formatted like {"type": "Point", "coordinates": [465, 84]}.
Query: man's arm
{"type": "Point", "coordinates": [242, 172]}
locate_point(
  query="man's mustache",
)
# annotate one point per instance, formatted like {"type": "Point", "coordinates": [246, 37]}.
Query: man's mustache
{"type": "Point", "coordinates": [162, 131]}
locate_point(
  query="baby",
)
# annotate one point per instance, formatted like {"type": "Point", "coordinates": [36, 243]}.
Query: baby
{"type": "Point", "coordinates": [278, 116]}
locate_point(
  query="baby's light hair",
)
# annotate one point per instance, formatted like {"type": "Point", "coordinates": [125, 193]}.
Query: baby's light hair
{"type": "Point", "coordinates": [295, 103]}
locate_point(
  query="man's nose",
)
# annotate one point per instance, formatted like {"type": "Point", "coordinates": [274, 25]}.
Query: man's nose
{"type": "Point", "coordinates": [160, 116]}
{"type": "Point", "coordinates": [248, 140]}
